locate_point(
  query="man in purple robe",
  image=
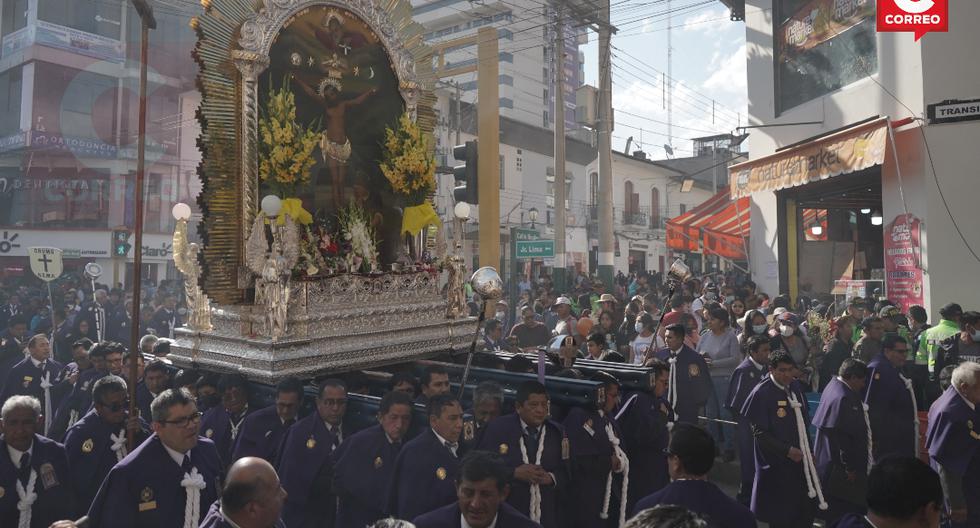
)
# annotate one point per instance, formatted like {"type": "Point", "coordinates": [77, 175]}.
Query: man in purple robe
{"type": "Point", "coordinates": [156, 379]}
{"type": "Point", "coordinates": [902, 492]}
{"type": "Point", "coordinates": [537, 450]}
{"type": "Point", "coordinates": [30, 466]}
{"type": "Point", "coordinates": [779, 492]}
{"type": "Point", "coordinates": [481, 492]}
{"type": "Point", "coordinates": [953, 441]}
{"type": "Point", "coordinates": [169, 480]}
{"type": "Point", "coordinates": [690, 382]}
{"type": "Point", "coordinates": [222, 423]}
{"type": "Point", "coordinates": [690, 457]}
{"type": "Point", "coordinates": [304, 461]}
{"type": "Point", "coordinates": [427, 467]}
{"type": "Point", "coordinates": [840, 447]}
{"type": "Point", "coordinates": [364, 464]}
{"type": "Point", "coordinates": [645, 420]}
{"type": "Point", "coordinates": [37, 376]}
{"type": "Point", "coordinates": [106, 359]}
{"type": "Point", "coordinates": [97, 442]}
{"type": "Point", "coordinates": [746, 376]}
{"type": "Point", "coordinates": [251, 498]}
{"type": "Point", "coordinates": [593, 457]}
{"type": "Point", "coordinates": [891, 404]}
{"type": "Point", "coordinates": [262, 432]}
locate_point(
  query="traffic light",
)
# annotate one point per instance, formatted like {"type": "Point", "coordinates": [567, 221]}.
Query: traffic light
{"type": "Point", "coordinates": [466, 174]}
{"type": "Point", "coordinates": [120, 243]}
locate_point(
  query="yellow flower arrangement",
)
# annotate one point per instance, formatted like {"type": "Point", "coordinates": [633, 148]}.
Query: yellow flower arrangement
{"type": "Point", "coordinates": [408, 163]}
{"type": "Point", "coordinates": [286, 147]}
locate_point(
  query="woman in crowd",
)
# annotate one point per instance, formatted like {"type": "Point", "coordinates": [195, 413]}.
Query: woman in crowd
{"type": "Point", "coordinates": [607, 328]}
{"type": "Point", "coordinates": [736, 311]}
{"type": "Point", "coordinates": [754, 323]}
{"type": "Point", "coordinates": [789, 337]}
{"type": "Point", "coordinates": [644, 344]}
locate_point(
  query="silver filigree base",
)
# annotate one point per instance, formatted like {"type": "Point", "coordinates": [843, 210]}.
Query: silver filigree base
{"type": "Point", "coordinates": [336, 324]}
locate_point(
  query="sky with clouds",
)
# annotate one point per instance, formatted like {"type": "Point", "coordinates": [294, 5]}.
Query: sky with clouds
{"type": "Point", "coordinates": [708, 65]}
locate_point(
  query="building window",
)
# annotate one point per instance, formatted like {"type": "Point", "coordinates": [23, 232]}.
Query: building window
{"type": "Point", "coordinates": [655, 208]}
{"type": "Point", "coordinates": [520, 161]}
{"type": "Point", "coordinates": [101, 17]}
{"type": "Point", "coordinates": [13, 17]}
{"type": "Point", "coordinates": [11, 82]}
{"type": "Point", "coordinates": [810, 64]}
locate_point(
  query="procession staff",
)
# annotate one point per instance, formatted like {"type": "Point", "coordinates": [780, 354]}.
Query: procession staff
{"type": "Point", "coordinates": [304, 462]}
{"type": "Point", "coordinates": [645, 420]}
{"type": "Point", "coordinates": [842, 446]}
{"type": "Point", "coordinates": [252, 497]}
{"type": "Point", "coordinates": [891, 402]}
{"type": "Point", "coordinates": [537, 449]}
{"type": "Point", "coordinates": [746, 376]}
{"type": "Point", "coordinates": [223, 422]}
{"type": "Point", "coordinates": [36, 375]}
{"type": "Point", "coordinates": [33, 469]}
{"type": "Point", "coordinates": [481, 492]}
{"type": "Point", "coordinates": [781, 487]}
{"type": "Point", "coordinates": [690, 382]}
{"type": "Point", "coordinates": [98, 441]}
{"type": "Point", "coordinates": [262, 431]}
{"type": "Point", "coordinates": [953, 441]}
{"type": "Point", "coordinates": [363, 465]}
{"type": "Point", "coordinates": [427, 466]}
{"type": "Point", "coordinates": [169, 480]}
{"type": "Point", "coordinates": [690, 457]}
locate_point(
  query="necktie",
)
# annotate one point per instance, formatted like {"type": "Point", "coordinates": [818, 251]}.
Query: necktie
{"type": "Point", "coordinates": [24, 472]}
{"type": "Point", "coordinates": [452, 446]}
{"type": "Point", "coordinates": [532, 439]}
{"type": "Point", "coordinates": [186, 466]}
{"type": "Point", "coordinates": [42, 365]}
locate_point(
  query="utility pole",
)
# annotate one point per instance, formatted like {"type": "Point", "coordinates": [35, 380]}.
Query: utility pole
{"type": "Point", "coordinates": [559, 114]}
{"type": "Point", "coordinates": [488, 165]}
{"type": "Point", "coordinates": [606, 237]}
{"type": "Point", "coordinates": [670, 79]}
{"type": "Point", "coordinates": [459, 113]}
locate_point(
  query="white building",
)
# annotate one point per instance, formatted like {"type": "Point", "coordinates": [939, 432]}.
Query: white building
{"type": "Point", "coordinates": [856, 89]}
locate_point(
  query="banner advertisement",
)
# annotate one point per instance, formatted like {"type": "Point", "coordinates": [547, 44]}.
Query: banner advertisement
{"type": "Point", "coordinates": [903, 269]}
{"type": "Point", "coordinates": [820, 21]}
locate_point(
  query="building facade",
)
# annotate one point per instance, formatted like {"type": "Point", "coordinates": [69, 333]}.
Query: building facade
{"type": "Point", "coordinates": [858, 145]}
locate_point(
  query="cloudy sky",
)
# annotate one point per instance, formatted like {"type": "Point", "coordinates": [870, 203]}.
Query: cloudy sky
{"type": "Point", "coordinates": [708, 65]}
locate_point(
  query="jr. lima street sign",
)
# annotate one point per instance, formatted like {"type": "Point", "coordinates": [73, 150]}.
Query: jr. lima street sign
{"type": "Point", "coordinates": [531, 249]}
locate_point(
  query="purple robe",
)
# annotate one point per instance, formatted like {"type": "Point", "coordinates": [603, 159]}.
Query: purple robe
{"type": "Point", "coordinates": [502, 436]}
{"type": "Point", "coordinates": [643, 421]}
{"type": "Point", "coordinates": [261, 435]}
{"type": "Point", "coordinates": [144, 491]}
{"type": "Point", "coordinates": [590, 463]}
{"type": "Point", "coordinates": [25, 379]}
{"type": "Point", "coordinates": [76, 403]}
{"type": "Point", "coordinates": [745, 377]}
{"type": "Point", "coordinates": [779, 492]}
{"type": "Point", "coordinates": [424, 477]}
{"type": "Point", "coordinates": [143, 400]}
{"type": "Point", "coordinates": [90, 456]}
{"type": "Point", "coordinates": [215, 519]}
{"type": "Point", "coordinates": [891, 410]}
{"type": "Point", "coordinates": [54, 497]}
{"type": "Point", "coordinates": [363, 467]}
{"type": "Point", "coordinates": [218, 426]}
{"type": "Point", "coordinates": [693, 383]}
{"type": "Point", "coordinates": [449, 517]}
{"type": "Point", "coordinates": [704, 498]}
{"type": "Point", "coordinates": [841, 445]}
{"type": "Point", "coordinates": [305, 472]}
{"type": "Point", "coordinates": [953, 441]}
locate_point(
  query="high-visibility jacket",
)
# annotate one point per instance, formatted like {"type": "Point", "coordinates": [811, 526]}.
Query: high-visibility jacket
{"type": "Point", "coordinates": [932, 338]}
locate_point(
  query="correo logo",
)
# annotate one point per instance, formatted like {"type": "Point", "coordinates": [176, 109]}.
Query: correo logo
{"type": "Point", "coordinates": [916, 16]}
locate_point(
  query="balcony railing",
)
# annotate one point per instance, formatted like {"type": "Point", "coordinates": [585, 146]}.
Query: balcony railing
{"type": "Point", "coordinates": [634, 217]}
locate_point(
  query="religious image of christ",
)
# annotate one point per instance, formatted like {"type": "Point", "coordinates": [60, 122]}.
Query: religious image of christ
{"type": "Point", "coordinates": [335, 146]}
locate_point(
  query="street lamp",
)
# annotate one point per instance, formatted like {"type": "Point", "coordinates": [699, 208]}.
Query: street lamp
{"type": "Point", "coordinates": [865, 210]}
{"type": "Point", "coordinates": [816, 229]}
{"type": "Point", "coordinates": [532, 214]}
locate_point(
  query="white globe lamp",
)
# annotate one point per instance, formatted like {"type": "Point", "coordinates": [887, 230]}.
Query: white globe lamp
{"type": "Point", "coordinates": [271, 205]}
{"type": "Point", "coordinates": [181, 211]}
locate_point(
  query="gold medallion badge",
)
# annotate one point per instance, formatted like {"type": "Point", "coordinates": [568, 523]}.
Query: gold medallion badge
{"type": "Point", "coordinates": [693, 371]}
{"type": "Point", "coordinates": [378, 463]}
{"type": "Point", "coordinates": [441, 473]}
{"type": "Point", "coordinates": [781, 412]}
{"type": "Point", "coordinates": [969, 424]}
{"type": "Point", "coordinates": [503, 449]}
{"type": "Point", "coordinates": [877, 375]}
{"type": "Point", "coordinates": [565, 450]}
{"type": "Point", "coordinates": [311, 443]}
{"type": "Point", "coordinates": [87, 446]}
{"type": "Point", "coordinates": [209, 433]}
{"type": "Point", "coordinates": [146, 495]}
{"type": "Point", "coordinates": [467, 431]}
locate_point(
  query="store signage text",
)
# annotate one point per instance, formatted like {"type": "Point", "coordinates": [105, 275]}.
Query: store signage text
{"type": "Point", "coordinates": [953, 111]}
{"type": "Point", "coordinates": [903, 265]}
{"type": "Point", "coordinates": [916, 16]}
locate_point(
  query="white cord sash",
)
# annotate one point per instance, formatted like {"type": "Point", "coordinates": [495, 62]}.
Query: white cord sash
{"type": "Point", "coordinates": [192, 483]}
{"type": "Point", "coordinates": [46, 386]}
{"type": "Point", "coordinates": [809, 467]}
{"type": "Point", "coordinates": [867, 425]}
{"type": "Point", "coordinates": [535, 513]}
{"type": "Point", "coordinates": [119, 444]}
{"type": "Point", "coordinates": [26, 496]}
{"type": "Point", "coordinates": [672, 389]}
{"type": "Point", "coordinates": [625, 470]}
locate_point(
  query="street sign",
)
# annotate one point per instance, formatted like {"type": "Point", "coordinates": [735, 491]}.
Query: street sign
{"type": "Point", "coordinates": [46, 262]}
{"type": "Point", "coordinates": [523, 233]}
{"type": "Point", "coordinates": [530, 249]}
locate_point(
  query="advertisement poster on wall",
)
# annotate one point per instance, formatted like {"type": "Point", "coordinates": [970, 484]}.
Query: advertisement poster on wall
{"type": "Point", "coordinates": [903, 267]}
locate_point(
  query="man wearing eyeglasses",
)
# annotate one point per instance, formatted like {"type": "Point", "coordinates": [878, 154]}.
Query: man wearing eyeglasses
{"type": "Point", "coordinates": [891, 402]}
{"type": "Point", "coordinates": [167, 482]}
{"type": "Point", "coordinates": [97, 442]}
{"type": "Point", "coordinates": [304, 462]}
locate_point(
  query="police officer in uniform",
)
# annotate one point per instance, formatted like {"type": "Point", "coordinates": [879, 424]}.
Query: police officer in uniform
{"type": "Point", "coordinates": [262, 431]}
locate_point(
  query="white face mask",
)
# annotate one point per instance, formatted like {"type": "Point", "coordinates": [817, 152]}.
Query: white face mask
{"type": "Point", "coordinates": [759, 329]}
{"type": "Point", "coordinates": [639, 327]}
{"type": "Point", "coordinates": [500, 315]}
{"type": "Point", "coordinates": [786, 330]}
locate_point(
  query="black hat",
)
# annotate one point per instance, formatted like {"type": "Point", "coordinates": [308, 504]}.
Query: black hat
{"type": "Point", "coordinates": [951, 310]}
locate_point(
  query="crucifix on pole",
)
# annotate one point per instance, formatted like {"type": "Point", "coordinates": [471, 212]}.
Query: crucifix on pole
{"type": "Point", "coordinates": [147, 22]}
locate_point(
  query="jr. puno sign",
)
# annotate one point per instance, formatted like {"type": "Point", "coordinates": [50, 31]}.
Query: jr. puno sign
{"type": "Point", "coordinates": [952, 111]}
{"type": "Point", "coordinates": [903, 267]}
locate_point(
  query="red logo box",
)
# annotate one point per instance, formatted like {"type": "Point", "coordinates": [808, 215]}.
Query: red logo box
{"type": "Point", "coordinates": [918, 16]}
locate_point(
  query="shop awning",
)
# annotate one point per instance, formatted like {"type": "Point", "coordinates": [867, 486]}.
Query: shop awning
{"type": "Point", "coordinates": [843, 152]}
{"type": "Point", "coordinates": [684, 231]}
{"type": "Point", "coordinates": [728, 231]}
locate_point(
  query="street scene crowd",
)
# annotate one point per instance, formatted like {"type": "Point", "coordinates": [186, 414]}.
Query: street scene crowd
{"type": "Point", "coordinates": [851, 414]}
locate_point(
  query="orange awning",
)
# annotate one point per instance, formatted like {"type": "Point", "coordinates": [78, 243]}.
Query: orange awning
{"type": "Point", "coordinates": [684, 231]}
{"type": "Point", "coordinates": [728, 231]}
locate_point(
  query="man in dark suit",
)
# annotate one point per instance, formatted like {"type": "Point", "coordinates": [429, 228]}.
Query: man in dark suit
{"type": "Point", "coordinates": [746, 376]}
{"type": "Point", "coordinates": [222, 423]}
{"type": "Point", "coordinates": [262, 432]}
{"type": "Point", "coordinates": [37, 376]}
{"type": "Point", "coordinates": [166, 318]}
{"type": "Point", "coordinates": [481, 493]}
{"type": "Point", "coordinates": [690, 382]}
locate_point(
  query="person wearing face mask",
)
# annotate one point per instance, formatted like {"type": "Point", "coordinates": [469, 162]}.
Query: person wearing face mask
{"type": "Point", "coordinates": [753, 324]}
{"type": "Point", "coordinates": [790, 339]}
{"type": "Point", "coordinates": [645, 342]}
{"type": "Point", "coordinates": [963, 346]}
{"type": "Point", "coordinates": [708, 294]}
{"type": "Point", "coordinates": [501, 313]}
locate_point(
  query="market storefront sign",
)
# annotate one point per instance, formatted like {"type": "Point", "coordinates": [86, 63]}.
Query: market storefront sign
{"type": "Point", "coordinates": [822, 20]}
{"type": "Point", "coordinates": [903, 269]}
{"type": "Point", "coordinates": [854, 149]}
